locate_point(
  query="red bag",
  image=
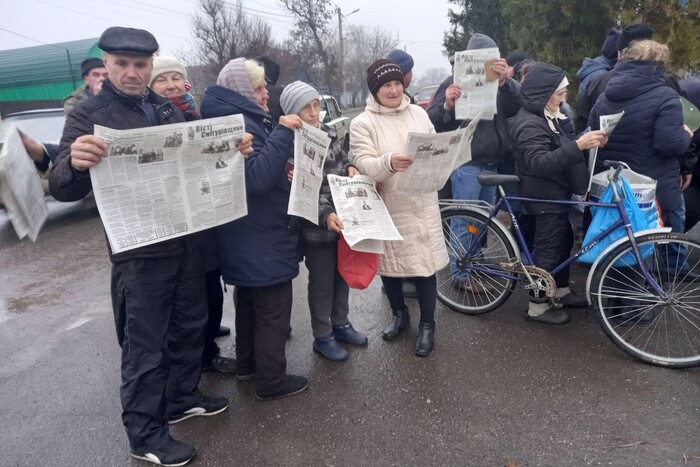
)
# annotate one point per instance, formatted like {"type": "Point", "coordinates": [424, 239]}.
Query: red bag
{"type": "Point", "coordinates": [356, 267]}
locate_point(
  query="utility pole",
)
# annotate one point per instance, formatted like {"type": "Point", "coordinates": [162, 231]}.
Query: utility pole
{"type": "Point", "coordinates": [342, 57]}
{"type": "Point", "coordinates": [342, 54]}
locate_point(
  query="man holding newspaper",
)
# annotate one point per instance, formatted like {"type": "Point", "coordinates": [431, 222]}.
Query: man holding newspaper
{"type": "Point", "coordinates": [158, 289]}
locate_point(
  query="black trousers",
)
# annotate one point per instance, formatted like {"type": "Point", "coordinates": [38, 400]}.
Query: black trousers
{"type": "Point", "coordinates": [553, 241]}
{"type": "Point", "coordinates": [160, 313]}
{"type": "Point", "coordinates": [426, 290]}
{"type": "Point", "coordinates": [215, 304]}
{"type": "Point", "coordinates": [262, 328]}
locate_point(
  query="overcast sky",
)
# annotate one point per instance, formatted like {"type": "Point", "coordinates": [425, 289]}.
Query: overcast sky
{"type": "Point", "coordinates": [419, 24]}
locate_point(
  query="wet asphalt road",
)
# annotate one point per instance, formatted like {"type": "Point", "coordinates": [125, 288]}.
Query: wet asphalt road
{"type": "Point", "coordinates": [496, 390]}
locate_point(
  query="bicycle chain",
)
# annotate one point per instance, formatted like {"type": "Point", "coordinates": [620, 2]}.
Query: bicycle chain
{"type": "Point", "coordinates": [544, 282]}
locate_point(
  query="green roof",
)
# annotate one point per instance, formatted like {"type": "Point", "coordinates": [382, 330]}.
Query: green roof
{"type": "Point", "coordinates": [44, 72]}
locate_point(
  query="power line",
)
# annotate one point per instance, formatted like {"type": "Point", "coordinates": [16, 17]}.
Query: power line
{"type": "Point", "coordinates": [99, 17]}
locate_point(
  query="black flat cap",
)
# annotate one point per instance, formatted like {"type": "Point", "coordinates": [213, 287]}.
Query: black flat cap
{"type": "Point", "coordinates": [634, 32]}
{"type": "Point", "coordinates": [128, 41]}
{"type": "Point", "coordinates": [91, 63]}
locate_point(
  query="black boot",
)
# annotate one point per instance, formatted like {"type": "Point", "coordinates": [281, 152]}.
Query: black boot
{"type": "Point", "coordinates": [398, 325]}
{"type": "Point", "coordinates": [426, 337]}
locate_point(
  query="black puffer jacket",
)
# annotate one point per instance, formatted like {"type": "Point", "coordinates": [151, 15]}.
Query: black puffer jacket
{"type": "Point", "coordinates": [549, 163]}
{"type": "Point", "coordinates": [114, 110]}
{"type": "Point", "coordinates": [650, 137]}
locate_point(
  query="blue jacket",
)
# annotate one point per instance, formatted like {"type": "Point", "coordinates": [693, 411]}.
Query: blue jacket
{"type": "Point", "coordinates": [650, 137]}
{"type": "Point", "coordinates": [259, 250]}
{"type": "Point", "coordinates": [590, 69]}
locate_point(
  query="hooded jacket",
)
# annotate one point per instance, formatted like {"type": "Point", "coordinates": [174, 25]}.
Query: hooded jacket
{"type": "Point", "coordinates": [375, 135]}
{"type": "Point", "coordinates": [491, 141]}
{"type": "Point", "coordinates": [260, 249]}
{"type": "Point", "coordinates": [650, 137]}
{"type": "Point", "coordinates": [549, 163]}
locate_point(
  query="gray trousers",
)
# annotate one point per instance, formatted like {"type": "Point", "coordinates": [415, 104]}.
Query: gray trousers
{"type": "Point", "coordinates": [328, 292]}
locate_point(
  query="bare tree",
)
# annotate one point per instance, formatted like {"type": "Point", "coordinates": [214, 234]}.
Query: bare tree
{"type": "Point", "coordinates": [313, 39]}
{"type": "Point", "coordinates": [223, 31]}
{"type": "Point", "coordinates": [367, 46]}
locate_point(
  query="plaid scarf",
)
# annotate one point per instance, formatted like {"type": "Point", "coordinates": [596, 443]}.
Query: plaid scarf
{"type": "Point", "coordinates": [185, 102]}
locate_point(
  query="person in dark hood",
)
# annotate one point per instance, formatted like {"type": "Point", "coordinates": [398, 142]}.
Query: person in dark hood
{"type": "Point", "coordinates": [551, 165]}
{"type": "Point", "coordinates": [690, 88]}
{"type": "Point", "coordinates": [591, 68]}
{"type": "Point", "coordinates": [651, 137]}
{"type": "Point", "coordinates": [272, 75]}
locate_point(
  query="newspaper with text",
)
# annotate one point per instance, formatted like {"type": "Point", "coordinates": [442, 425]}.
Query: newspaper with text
{"type": "Point", "coordinates": [479, 84]}
{"type": "Point", "coordinates": [363, 213]}
{"type": "Point", "coordinates": [310, 150]}
{"type": "Point", "coordinates": [163, 182]}
{"type": "Point", "coordinates": [607, 124]}
{"type": "Point", "coordinates": [435, 157]}
{"type": "Point", "coordinates": [20, 188]}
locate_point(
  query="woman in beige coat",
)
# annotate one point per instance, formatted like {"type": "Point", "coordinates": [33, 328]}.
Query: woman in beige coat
{"type": "Point", "coordinates": [377, 140]}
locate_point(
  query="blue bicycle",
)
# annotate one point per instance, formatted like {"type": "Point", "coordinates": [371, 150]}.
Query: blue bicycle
{"type": "Point", "coordinates": [644, 287]}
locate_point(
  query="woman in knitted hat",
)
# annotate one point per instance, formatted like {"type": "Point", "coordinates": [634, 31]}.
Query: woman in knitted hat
{"type": "Point", "coordinates": [377, 140]}
{"type": "Point", "coordinates": [169, 80]}
{"type": "Point", "coordinates": [327, 290]}
{"type": "Point", "coordinates": [258, 253]}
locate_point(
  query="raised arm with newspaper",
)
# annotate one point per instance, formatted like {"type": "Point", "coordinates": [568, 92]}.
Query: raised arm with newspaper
{"type": "Point", "coordinates": [310, 149]}
{"type": "Point", "coordinates": [163, 182]}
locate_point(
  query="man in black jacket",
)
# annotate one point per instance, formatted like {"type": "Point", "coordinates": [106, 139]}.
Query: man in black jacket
{"type": "Point", "coordinates": [491, 141]}
{"type": "Point", "coordinates": [157, 290]}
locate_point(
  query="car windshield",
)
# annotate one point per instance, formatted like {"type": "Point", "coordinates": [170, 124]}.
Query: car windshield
{"type": "Point", "coordinates": [46, 128]}
{"type": "Point", "coordinates": [425, 93]}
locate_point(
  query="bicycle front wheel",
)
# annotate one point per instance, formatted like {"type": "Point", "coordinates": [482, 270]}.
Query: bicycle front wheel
{"type": "Point", "coordinates": [473, 282]}
{"type": "Point", "coordinates": [661, 329]}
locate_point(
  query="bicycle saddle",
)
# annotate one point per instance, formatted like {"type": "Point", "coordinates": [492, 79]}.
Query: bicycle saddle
{"type": "Point", "coordinates": [491, 178]}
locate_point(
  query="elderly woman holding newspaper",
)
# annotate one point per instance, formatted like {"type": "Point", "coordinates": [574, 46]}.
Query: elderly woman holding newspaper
{"type": "Point", "coordinates": [377, 139]}
{"type": "Point", "coordinates": [551, 165]}
{"type": "Point", "coordinates": [327, 292]}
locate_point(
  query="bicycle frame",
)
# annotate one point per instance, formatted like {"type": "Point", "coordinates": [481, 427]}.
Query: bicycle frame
{"type": "Point", "coordinates": [624, 221]}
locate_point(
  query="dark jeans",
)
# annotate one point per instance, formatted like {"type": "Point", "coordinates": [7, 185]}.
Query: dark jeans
{"type": "Point", "coordinates": [328, 292]}
{"type": "Point", "coordinates": [160, 315]}
{"type": "Point", "coordinates": [215, 304]}
{"type": "Point", "coordinates": [426, 289]}
{"type": "Point", "coordinates": [262, 328]}
{"type": "Point", "coordinates": [553, 241]}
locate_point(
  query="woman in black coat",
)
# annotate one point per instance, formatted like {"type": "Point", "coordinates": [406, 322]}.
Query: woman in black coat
{"type": "Point", "coordinates": [551, 165]}
{"type": "Point", "coordinates": [651, 136]}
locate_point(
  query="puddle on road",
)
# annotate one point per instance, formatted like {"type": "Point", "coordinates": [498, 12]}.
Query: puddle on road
{"type": "Point", "coordinates": [21, 305]}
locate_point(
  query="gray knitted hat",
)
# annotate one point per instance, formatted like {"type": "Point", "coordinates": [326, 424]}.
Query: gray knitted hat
{"type": "Point", "coordinates": [296, 95]}
{"type": "Point", "coordinates": [235, 77]}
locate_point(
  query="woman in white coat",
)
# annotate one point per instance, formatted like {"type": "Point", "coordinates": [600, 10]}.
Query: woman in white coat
{"type": "Point", "coordinates": [377, 140]}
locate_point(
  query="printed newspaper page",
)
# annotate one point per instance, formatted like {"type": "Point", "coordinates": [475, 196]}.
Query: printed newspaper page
{"type": "Point", "coordinates": [167, 181]}
{"type": "Point", "coordinates": [607, 124]}
{"type": "Point", "coordinates": [473, 72]}
{"type": "Point", "coordinates": [363, 213]}
{"type": "Point", "coordinates": [435, 157]}
{"type": "Point", "coordinates": [310, 149]}
{"type": "Point", "coordinates": [20, 187]}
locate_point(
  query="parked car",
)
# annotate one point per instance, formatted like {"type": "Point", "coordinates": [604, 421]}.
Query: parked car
{"type": "Point", "coordinates": [333, 117]}
{"type": "Point", "coordinates": [44, 125]}
{"type": "Point", "coordinates": [425, 95]}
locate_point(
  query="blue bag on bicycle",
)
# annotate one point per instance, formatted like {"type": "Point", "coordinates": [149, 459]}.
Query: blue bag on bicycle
{"type": "Point", "coordinates": [605, 217]}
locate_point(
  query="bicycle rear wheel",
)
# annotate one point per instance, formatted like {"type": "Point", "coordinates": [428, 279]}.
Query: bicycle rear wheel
{"type": "Point", "coordinates": [656, 330]}
{"type": "Point", "coordinates": [471, 283]}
